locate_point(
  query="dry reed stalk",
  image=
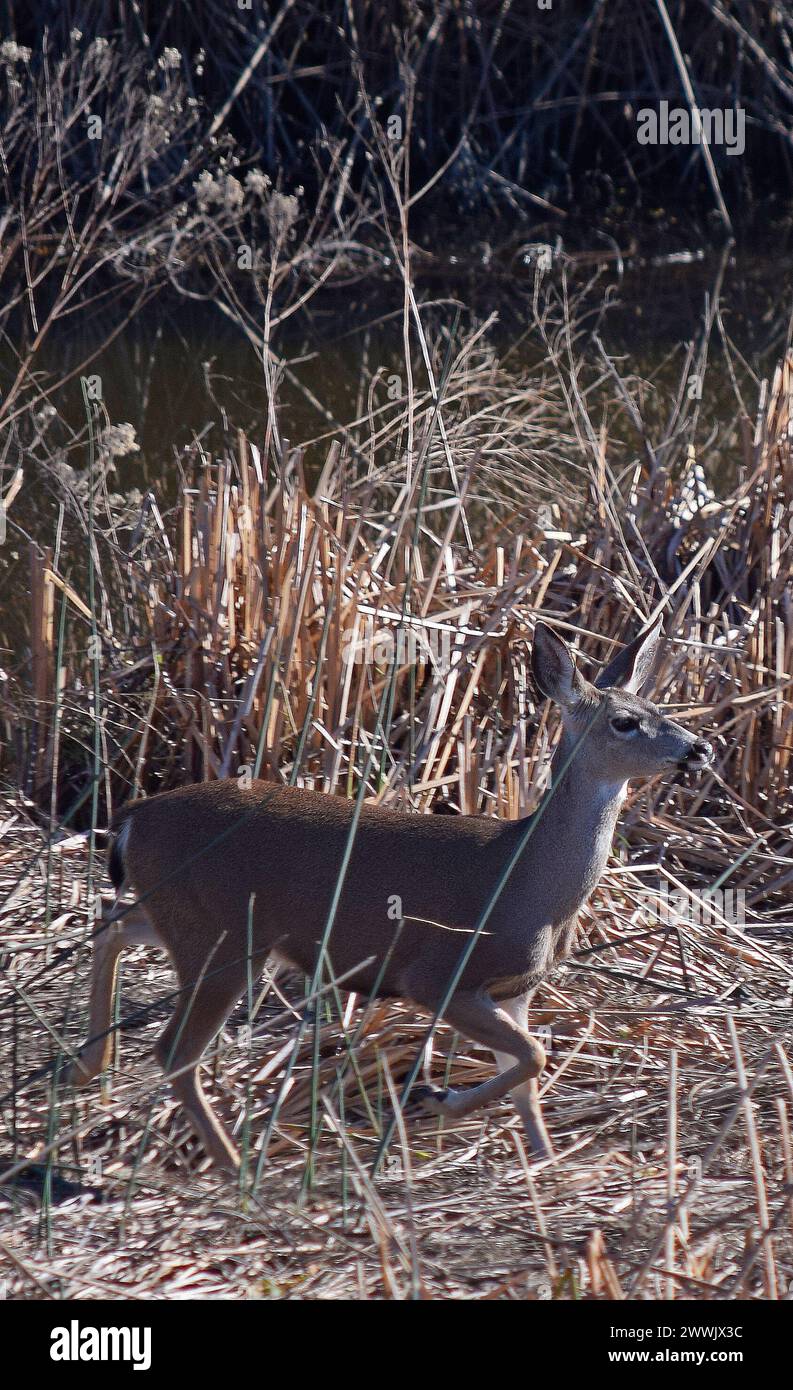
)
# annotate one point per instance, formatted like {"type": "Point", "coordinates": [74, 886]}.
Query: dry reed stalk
{"type": "Point", "coordinates": [231, 619]}
{"type": "Point", "coordinates": [671, 1170]}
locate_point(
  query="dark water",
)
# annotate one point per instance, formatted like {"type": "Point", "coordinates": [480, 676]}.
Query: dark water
{"type": "Point", "coordinates": [181, 372]}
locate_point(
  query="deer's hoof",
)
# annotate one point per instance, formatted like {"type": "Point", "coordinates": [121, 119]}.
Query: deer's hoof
{"type": "Point", "coordinates": [433, 1100]}
{"type": "Point", "coordinates": [78, 1074]}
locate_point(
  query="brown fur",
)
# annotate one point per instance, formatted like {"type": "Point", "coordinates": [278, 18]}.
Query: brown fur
{"type": "Point", "coordinates": [222, 864]}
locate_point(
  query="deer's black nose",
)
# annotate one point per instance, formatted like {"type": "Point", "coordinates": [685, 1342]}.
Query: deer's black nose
{"type": "Point", "coordinates": [700, 753]}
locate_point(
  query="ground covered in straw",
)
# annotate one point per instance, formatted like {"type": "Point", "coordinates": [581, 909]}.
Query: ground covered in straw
{"type": "Point", "coordinates": [223, 628]}
{"type": "Point", "coordinates": [643, 1097]}
{"type": "Point", "coordinates": [348, 604]}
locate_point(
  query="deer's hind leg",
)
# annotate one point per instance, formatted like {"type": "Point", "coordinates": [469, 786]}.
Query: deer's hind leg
{"type": "Point", "coordinates": [112, 936]}
{"type": "Point", "coordinates": [521, 1058]}
{"type": "Point", "coordinates": [207, 1000]}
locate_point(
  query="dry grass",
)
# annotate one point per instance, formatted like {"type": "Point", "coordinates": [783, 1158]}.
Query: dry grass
{"type": "Point", "coordinates": [668, 1091]}
{"type": "Point", "coordinates": [458, 1212]}
{"type": "Point", "coordinates": [208, 639]}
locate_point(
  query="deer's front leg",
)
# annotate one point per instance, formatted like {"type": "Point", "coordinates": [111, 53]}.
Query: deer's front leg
{"type": "Point", "coordinates": [520, 1057]}
{"type": "Point", "coordinates": [526, 1098]}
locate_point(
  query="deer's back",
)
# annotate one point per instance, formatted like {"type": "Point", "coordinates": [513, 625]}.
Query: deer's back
{"type": "Point", "coordinates": [221, 857]}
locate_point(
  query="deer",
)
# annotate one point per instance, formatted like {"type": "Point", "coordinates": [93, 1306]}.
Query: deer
{"type": "Point", "coordinates": [228, 875]}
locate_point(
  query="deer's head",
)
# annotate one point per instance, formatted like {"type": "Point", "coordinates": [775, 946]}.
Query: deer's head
{"type": "Point", "coordinates": [622, 735]}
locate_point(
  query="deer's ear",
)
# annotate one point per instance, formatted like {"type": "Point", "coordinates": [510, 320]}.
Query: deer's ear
{"type": "Point", "coordinates": [554, 669]}
{"type": "Point", "coordinates": [630, 668]}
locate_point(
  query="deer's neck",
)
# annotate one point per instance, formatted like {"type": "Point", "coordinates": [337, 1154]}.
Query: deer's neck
{"type": "Point", "coordinates": [574, 827]}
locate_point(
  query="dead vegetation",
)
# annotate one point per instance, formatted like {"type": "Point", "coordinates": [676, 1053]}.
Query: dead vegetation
{"type": "Point", "coordinates": [205, 630]}
{"type": "Point", "coordinates": [222, 636]}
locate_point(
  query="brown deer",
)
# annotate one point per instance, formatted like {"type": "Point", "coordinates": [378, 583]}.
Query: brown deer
{"type": "Point", "coordinates": [227, 875]}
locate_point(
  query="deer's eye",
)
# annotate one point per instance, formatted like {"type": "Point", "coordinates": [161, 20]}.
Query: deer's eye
{"type": "Point", "coordinates": [625, 723]}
